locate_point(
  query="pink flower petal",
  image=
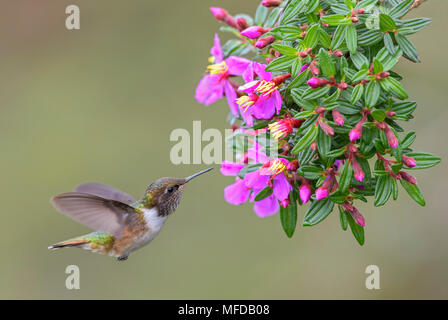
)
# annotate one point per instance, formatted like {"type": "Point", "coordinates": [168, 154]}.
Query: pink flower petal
{"type": "Point", "coordinates": [231, 98]}
{"type": "Point", "coordinates": [216, 50]}
{"type": "Point", "coordinates": [229, 168]}
{"type": "Point", "coordinates": [236, 193]}
{"type": "Point", "coordinates": [209, 90]}
{"type": "Point", "coordinates": [237, 65]}
{"type": "Point", "coordinates": [266, 207]}
{"type": "Point", "coordinates": [281, 188]}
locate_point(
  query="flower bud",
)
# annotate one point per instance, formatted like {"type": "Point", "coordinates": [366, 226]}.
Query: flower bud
{"type": "Point", "coordinates": [355, 19]}
{"type": "Point", "coordinates": [254, 32]}
{"type": "Point", "coordinates": [360, 11]}
{"type": "Point", "coordinates": [337, 117]}
{"type": "Point", "coordinates": [242, 23]}
{"type": "Point", "coordinates": [326, 128]}
{"type": "Point", "coordinates": [342, 86]}
{"type": "Point", "coordinates": [293, 165]}
{"type": "Point", "coordinates": [315, 82]}
{"type": "Point", "coordinates": [391, 138]}
{"type": "Point", "coordinates": [357, 216]}
{"type": "Point", "coordinates": [322, 193]}
{"type": "Point", "coordinates": [263, 42]}
{"type": "Point", "coordinates": [219, 13]}
{"type": "Point", "coordinates": [356, 132]}
{"type": "Point", "coordinates": [359, 174]}
{"type": "Point", "coordinates": [305, 192]}
{"type": "Point", "coordinates": [408, 161]}
{"type": "Point", "coordinates": [303, 68]}
{"type": "Point", "coordinates": [338, 53]}
{"type": "Point", "coordinates": [284, 203]}
{"type": "Point", "coordinates": [271, 3]}
{"type": "Point", "coordinates": [407, 177]}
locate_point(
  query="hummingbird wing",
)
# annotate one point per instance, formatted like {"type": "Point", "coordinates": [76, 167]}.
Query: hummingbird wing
{"type": "Point", "coordinates": [104, 191]}
{"type": "Point", "coordinates": [97, 213]}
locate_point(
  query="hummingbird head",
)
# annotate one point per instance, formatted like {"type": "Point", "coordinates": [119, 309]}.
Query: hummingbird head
{"type": "Point", "coordinates": [165, 193]}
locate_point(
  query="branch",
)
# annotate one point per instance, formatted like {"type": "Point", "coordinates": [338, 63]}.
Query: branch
{"type": "Point", "coordinates": [417, 3]}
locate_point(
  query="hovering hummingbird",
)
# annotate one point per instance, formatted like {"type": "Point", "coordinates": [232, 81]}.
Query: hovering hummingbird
{"type": "Point", "coordinates": [121, 223]}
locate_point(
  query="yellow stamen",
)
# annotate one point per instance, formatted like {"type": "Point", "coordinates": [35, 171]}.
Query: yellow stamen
{"type": "Point", "coordinates": [276, 130]}
{"type": "Point", "coordinates": [277, 167]}
{"type": "Point", "coordinates": [218, 68]}
{"type": "Point", "coordinates": [265, 88]}
{"type": "Point", "coordinates": [211, 59]}
{"type": "Point", "coordinates": [244, 102]}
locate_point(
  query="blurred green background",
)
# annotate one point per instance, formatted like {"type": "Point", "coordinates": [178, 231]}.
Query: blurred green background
{"type": "Point", "coordinates": [99, 104]}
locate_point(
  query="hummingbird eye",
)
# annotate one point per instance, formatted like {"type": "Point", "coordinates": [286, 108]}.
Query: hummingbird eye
{"type": "Point", "coordinates": [171, 189]}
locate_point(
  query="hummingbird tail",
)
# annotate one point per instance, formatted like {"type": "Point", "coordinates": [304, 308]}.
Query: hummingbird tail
{"type": "Point", "coordinates": [96, 242]}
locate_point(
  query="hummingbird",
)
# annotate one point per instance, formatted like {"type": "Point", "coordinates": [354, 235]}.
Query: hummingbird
{"type": "Point", "coordinates": [121, 224]}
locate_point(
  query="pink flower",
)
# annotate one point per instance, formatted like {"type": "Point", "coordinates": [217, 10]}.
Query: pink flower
{"type": "Point", "coordinates": [282, 128]}
{"type": "Point", "coordinates": [216, 83]}
{"type": "Point", "coordinates": [359, 174]}
{"type": "Point", "coordinates": [407, 177]}
{"type": "Point", "coordinates": [270, 174]}
{"type": "Point", "coordinates": [357, 216]}
{"type": "Point", "coordinates": [271, 3]}
{"type": "Point", "coordinates": [391, 138]}
{"type": "Point", "coordinates": [408, 161]}
{"type": "Point", "coordinates": [356, 132]}
{"type": "Point", "coordinates": [322, 193]}
{"type": "Point", "coordinates": [325, 127]}
{"type": "Point", "coordinates": [305, 192]}
{"type": "Point", "coordinates": [264, 42]}
{"type": "Point", "coordinates": [254, 32]}
{"type": "Point", "coordinates": [337, 117]}
{"type": "Point", "coordinates": [263, 99]}
{"type": "Point", "coordinates": [219, 13]}
{"type": "Point", "coordinates": [315, 82]}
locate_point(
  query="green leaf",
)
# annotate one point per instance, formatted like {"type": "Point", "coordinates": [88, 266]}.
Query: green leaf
{"type": "Point", "coordinates": [346, 177]}
{"type": "Point", "coordinates": [301, 77]}
{"type": "Point", "coordinates": [292, 10]}
{"type": "Point", "coordinates": [387, 24]}
{"type": "Point", "coordinates": [401, 9]}
{"type": "Point", "coordinates": [366, 4]}
{"type": "Point", "coordinates": [390, 84]}
{"type": "Point", "coordinates": [326, 63]}
{"type": "Point", "coordinates": [324, 38]}
{"type": "Point", "coordinates": [343, 218]}
{"type": "Point", "coordinates": [323, 143]}
{"type": "Point", "coordinates": [372, 93]}
{"type": "Point", "coordinates": [424, 160]}
{"type": "Point", "coordinates": [338, 37]}
{"type": "Point", "coordinates": [306, 140]}
{"type": "Point", "coordinates": [285, 50]}
{"type": "Point", "coordinates": [336, 152]}
{"type": "Point", "coordinates": [389, 43]}
{"type": "Point", "coordinates": [311, 93]}
{"type": "Point", "coordinates": [288, 216]}
{"type": "Point", "coordinates": [317, 212]}
{"type": "Point", "coordinates": [273, 17]}
{"type": "Point", "coordinates": [310, 172]}
{"type": "Point", "coordinates": [351, 37]}
{"type": "Point", "coordinates": [383, 190]}
{"type": "Point", "coordinates": [357, 230]}
{"type": "Point", "coordinates": [357, 93]}
{"type": "Point", "coordinates": [379, 115]}
{"type": "Point", "coordinates": [261, 15]}
{"type": "Point", "coordinates": [266, 192]}
{"type": "Point", "coordinates": [312, 37]}
{"type": "Point", "coordinates": [280, 64]}
{"type": "Point", "coordinates": [286, 33]}
{"type": "Point", "coordinates": [412, 26]}
{"type": "Point", "coordinates": [414, 192]}
{"type": "Point", "coordinates": [377, 66]}
{"type": "Point", "coordinates": [335, 19]}
{"type": "Point", "coordinates": [312, 6]}
{"type": "Point", "coordinates": [407, 47]}
{"type": "Point", "coordinates": [408, 140]}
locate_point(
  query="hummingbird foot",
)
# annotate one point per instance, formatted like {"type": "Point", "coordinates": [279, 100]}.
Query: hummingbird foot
{"type": "Point", "coordinates": [122, 258]}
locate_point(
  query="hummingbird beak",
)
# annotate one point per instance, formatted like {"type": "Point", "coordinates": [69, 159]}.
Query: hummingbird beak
{"type": "Point", "coordinates": [197, 174]}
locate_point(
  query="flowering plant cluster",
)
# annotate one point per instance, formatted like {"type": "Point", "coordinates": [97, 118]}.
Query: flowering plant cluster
{"type": "Point", "coordinates": [316, 77]}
